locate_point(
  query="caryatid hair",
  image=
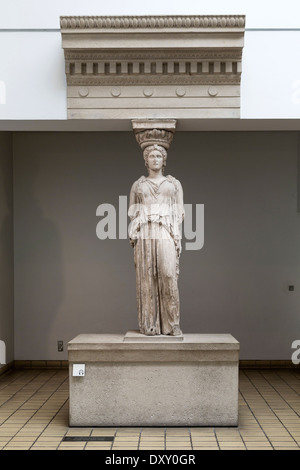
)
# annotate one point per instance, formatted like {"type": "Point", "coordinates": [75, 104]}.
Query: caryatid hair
{"type": "Point", "coordinates": [150, 149]}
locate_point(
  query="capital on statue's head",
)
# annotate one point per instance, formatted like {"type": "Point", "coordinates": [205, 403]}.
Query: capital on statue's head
{"type": "Point", "coordinates": [149, 132]}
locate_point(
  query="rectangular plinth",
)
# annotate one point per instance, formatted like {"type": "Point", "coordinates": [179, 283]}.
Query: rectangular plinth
{"type": "Point", "coordinates": [137, 337]}
{"type": "Point", "coordinates": [191, 382]}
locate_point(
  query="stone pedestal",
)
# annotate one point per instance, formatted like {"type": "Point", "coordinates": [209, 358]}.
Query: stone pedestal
{"type": "Point", "coordinates": [134, 380]}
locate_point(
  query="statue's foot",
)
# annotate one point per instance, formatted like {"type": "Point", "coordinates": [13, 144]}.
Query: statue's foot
{"type": "Point", "coordinates": [150, 332]}
{"type": "Point", "coordinates": [176, 331]}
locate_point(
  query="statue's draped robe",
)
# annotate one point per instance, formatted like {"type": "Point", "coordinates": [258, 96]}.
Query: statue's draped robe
{"type": "Point", "coordinates": [156, 211]}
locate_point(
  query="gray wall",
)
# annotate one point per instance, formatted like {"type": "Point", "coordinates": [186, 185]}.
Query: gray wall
{"type": "Point", "coordinates": [67, 281]}
{"type": "Point", "coordinates": [6, 245]}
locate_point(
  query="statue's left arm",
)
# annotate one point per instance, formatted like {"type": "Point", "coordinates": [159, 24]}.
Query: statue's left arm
{"type": "Point", "coordinates": [179, 202]}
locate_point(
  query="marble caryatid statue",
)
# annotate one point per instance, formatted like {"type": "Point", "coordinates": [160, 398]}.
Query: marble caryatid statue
{"type": "Point", "coordinates": [156, 211]}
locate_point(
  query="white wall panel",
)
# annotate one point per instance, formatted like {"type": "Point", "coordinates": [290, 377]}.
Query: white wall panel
{"type": "Point", "coordinates": [43, 14]}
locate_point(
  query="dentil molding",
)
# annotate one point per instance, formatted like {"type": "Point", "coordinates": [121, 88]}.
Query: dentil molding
{"type": "Point", "coordinates": [153, 66]}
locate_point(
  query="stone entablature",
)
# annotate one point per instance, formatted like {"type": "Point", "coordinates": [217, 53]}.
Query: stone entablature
{"type": "Point", "coordinates": [167, 67]}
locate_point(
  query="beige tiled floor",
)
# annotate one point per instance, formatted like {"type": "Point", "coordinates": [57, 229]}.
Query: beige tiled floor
{"type": "Point", "coordinates": [34, 415]}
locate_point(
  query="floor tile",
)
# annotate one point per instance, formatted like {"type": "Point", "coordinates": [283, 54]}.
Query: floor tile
{"type": "Point", "coordinates": [34, 415]}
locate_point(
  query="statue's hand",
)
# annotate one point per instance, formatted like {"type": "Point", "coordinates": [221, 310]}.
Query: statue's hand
{"type": "Point", "coordinates": [179, 249]}
{"type": "Point", "coordinates": [132, 242]}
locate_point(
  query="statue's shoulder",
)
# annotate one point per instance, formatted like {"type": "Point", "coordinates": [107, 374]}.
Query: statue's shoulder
{"type": "Point", "coordinates": [174, 181]}
{"type": "Point", "coordinates": [141, 179]}
{"type": "Point", "coordinates": [138, 182]}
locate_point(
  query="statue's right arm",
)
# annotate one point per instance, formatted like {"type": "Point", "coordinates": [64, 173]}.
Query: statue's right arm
{"type": "Point", "coordinates": [132, 212]}
{"type": "Point", "coordinates": [132, 201]}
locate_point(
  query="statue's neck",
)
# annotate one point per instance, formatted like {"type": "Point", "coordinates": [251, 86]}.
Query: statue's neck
{"type": "Point", "coordinates": [155, 175]}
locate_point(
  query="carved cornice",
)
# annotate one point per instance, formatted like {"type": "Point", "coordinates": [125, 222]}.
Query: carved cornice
{"type": "Point", "coordinates": [150, 22]}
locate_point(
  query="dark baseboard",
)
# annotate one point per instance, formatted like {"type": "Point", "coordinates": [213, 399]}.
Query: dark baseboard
{"type": "Point", "coordinates": [269, 364]}
{"type": "Point", "coordinates": [41, 364]}
{"type": "Point", "coordinates": [243, 364]}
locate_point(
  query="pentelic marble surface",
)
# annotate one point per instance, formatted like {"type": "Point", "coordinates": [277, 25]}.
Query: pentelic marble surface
{"type": "Point", "coordinates": [156, 211]}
